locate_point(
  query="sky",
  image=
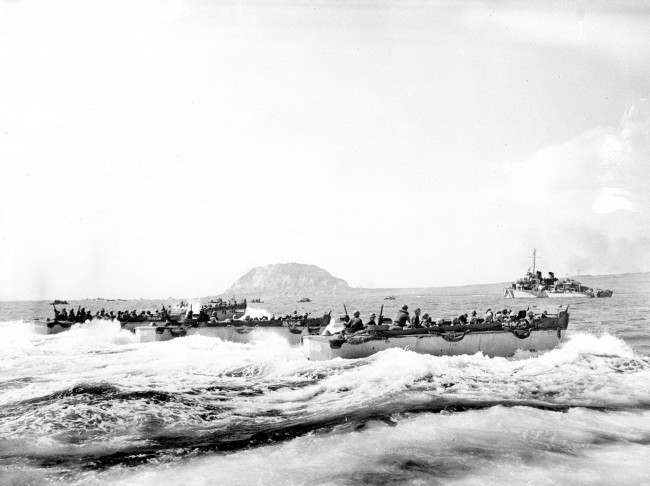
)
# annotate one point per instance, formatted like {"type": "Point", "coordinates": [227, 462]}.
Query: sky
{"type": "Point", "coordinates": [164, 148]}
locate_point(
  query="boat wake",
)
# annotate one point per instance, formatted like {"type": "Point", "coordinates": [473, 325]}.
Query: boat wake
{"type": "Point", "coordinates": [100, 399]}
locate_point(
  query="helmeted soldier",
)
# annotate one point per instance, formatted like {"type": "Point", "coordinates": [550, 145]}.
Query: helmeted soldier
{"type": "Point", "coordinates": [402, 317]}
{"type": "Point", "coordinates": [355, 324]}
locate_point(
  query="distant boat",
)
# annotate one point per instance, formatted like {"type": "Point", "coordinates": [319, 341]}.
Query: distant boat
{"type": "Point", "coordinates": [304, 299]}
{"type": "Point", "coordinates": [59, 302]}
{"type": "Point", "coordinates": [533, 285]}
{"type": "Point", "coordinates": [257, 301]}
{"type": "Point", "coordinates": [389, 297]}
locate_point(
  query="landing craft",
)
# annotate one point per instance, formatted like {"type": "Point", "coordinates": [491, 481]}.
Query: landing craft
{"type": "Point", "coordinates": [503, 339]}
{"type": "Point", "coordinates": [52, 326]}
{"type": "Point", "coordinates": [289, 327]}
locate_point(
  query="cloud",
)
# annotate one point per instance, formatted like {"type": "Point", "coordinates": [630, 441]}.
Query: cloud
{"type": "Point", "coordinates": [587, 199]}
{"type": "Point", "coordinates": [614, 33]}
{"type": "Point", "coordinates": [612, 199]}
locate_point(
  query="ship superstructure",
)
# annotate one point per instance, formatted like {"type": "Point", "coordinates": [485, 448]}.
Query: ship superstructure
{"type": "Point", "coordinates": [534, 285]}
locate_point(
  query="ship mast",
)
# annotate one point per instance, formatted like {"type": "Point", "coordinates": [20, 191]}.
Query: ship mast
{"type": "Point", "coordinates": [534, 263]}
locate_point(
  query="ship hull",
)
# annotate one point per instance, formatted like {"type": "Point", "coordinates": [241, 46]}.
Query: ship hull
{"type": "Point", "coordinates": [524, 294]}
{"type": "Point", "coordinates": [567, 295]}
{"type": "Point", "coordinates": [543, 294]}
{"type": "Point", "coordinates": [490, 343]}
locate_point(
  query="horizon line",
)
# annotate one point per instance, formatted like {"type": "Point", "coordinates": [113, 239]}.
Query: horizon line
{"type": "Point", "coordinates": [350, 288]}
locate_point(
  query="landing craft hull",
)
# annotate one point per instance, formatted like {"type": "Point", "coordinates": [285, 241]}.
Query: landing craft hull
{"type": "Point", "coordinates": [132, 325]}
{"type": "Point", "coordinates": [51, 327]}
{"type": "Point", "coordinates": [54, 327]}
{"type": "Point", "coordinates": [225, 332]}
{"type": "Point", "coordinates": [245, 334]}
{"type": "Point", "coordinates": [490, 343]}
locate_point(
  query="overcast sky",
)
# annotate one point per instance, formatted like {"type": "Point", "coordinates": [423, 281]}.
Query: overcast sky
{"type": "Point", "coordinates": [163, 148]}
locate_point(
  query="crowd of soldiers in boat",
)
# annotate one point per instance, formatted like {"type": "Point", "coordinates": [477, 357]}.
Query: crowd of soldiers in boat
{"type": "Point", "coordinates": [404, 320]}
{"type": "Point", "coordinates": [83, 315]}
{"type": "Point", "coordinates": [206, 313]}
{"type": "Point", "coordinates": [213, 309]}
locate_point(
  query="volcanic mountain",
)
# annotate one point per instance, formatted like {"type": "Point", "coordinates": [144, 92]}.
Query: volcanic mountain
{"type": "Point", "coordinates": [295, 279]}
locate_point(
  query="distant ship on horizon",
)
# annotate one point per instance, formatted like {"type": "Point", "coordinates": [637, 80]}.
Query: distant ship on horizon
{"type": "Point", "coordinates": [534, 285]}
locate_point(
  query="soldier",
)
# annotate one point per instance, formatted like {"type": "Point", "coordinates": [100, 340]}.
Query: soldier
{"type": "Point", "coordinates": [371, 320]}
{"type": "Point", "coordinates": [415, 320]}
{"type": "Point", "coordinates": [530, 317]}
{"type": "Point", "coordinates": [355, 324]}
{"type": "Point", "coordinates": [402, 317]}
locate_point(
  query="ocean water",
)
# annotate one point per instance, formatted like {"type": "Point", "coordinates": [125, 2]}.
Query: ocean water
{"type": "Point", "coordinates": [94, 406]}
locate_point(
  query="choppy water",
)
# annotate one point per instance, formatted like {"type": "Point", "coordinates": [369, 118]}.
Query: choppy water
{"type": "Point", "coordinates": [92, 406]}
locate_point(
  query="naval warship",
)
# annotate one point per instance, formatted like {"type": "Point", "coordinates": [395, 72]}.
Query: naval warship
{"type": "Point", "coordinates": [534, 285]}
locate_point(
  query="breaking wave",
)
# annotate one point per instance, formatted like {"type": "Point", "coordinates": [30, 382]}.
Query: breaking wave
{"type": "Point", "coordinates": [498, 445]}
{"type": "Point", "coordinates": [93, 399]}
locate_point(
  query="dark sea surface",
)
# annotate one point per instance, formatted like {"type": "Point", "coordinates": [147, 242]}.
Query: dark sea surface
{"type": "Point", "coordinates": [94, 406]}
